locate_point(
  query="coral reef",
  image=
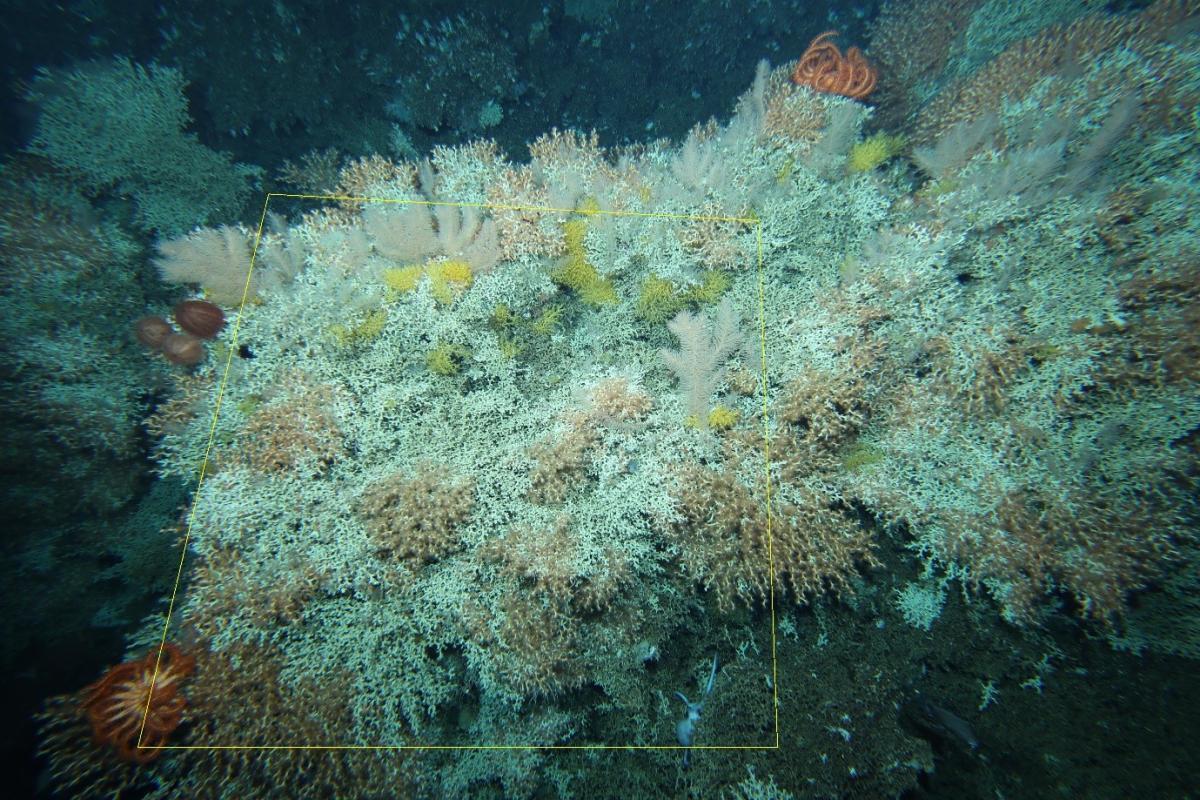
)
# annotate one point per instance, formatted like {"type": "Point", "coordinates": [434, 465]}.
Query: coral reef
{"type": "Point", "coordinates": [488, 470]}
{"type": "Point", "coordinates": [75, 383]}
{"type": "Point", "coordinates": [120, 127]}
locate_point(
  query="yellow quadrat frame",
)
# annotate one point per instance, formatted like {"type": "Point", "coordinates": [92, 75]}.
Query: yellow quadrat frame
{"type": "Point", "coordinates": [753, 221]}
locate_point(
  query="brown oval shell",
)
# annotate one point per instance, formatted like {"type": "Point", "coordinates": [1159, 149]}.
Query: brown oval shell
{"type": "Point", "coordinates": [151, 331]}
{"type": "Point", "coordinates": [200, 318]}
{"type": "Point", "coordinates": [183, 348]}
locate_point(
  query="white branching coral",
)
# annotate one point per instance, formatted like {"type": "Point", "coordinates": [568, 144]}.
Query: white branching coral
{"type": "Point", "coordinates": [698, 167]}
{"type": "Point", "coordinates": [412, 233]}
{"type": "Point", "coordinates": [702, 353]}
{"type": "Point", "coordinates": [216, 258]}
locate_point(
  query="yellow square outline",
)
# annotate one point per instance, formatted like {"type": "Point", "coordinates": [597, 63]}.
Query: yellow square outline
{"type": "Point", "coordinates": [751, 220]}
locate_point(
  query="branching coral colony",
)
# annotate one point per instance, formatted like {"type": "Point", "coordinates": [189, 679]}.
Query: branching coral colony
{"type": "Point", "coordinates": [458, 473]}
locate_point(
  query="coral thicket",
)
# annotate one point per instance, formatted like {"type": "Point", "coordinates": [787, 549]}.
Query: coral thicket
{"type": "Point", "coordinates": [508, 453]}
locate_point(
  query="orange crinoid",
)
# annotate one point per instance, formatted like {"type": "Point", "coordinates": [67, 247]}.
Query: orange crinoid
{"type": "Point", "coordinates": [824, 68]}
{"type": "Point", "coordinates": [117, 703]}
